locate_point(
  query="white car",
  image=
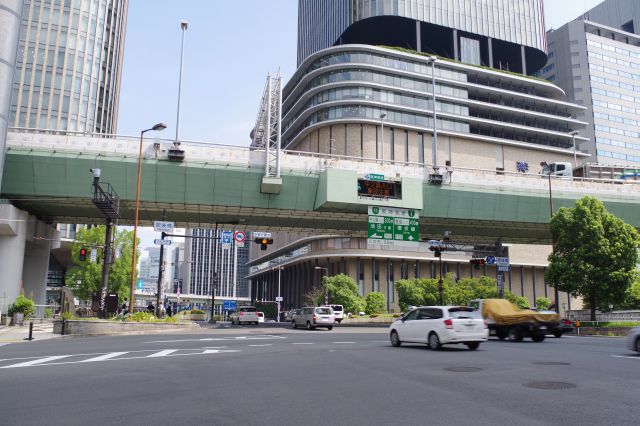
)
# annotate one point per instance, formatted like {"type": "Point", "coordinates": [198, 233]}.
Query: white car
{"type": "Point", "coordinates": [310, 318]}
{"type": "Point", "coordinates": [440, 325]}
{"type": "Point", "coordinates": [338, 312]}
{"type": "Point", "coordinates": [260, 316]}
{"type": "Point", "coordinates": [244, 315]}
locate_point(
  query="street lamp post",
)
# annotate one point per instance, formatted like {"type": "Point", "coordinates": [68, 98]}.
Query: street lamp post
{"type": "Point", "coordinates": [279, 268]}
{"type": "Point", "coordinates": [434, 141]}
{"type": "Point", "coordinates": [573, 139]}
{"type": "Point", "coordinates": [183, 25]}
{"type": "Point", "coordinates": [214, 284]}
{"type": "Point", "coordinates": [553, 242]}
{"type": "Point", "coordinates": [326, 290]}
{"type": "Point", "coordinates": [382, 116]}
{"type": "Point", "coordinates": [156, 127]}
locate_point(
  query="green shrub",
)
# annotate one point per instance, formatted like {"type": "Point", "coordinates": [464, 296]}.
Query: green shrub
{"type": "Point", "coordinates": [543, 303]}
{"type": "Point", "coordinates": [171, 320]}
{"type": "Point", "coordinates": [522, 302]}
{"type": "Point", "coordinates": [22, 305]}
{"type": "Point", "coordinates": [374, 303]}
{"type": "Point", "coordinates": [196, 311]}
{"type": "Point", "coordinates": [48, 313]}
{"type": "Point", "coordinates": [142, 317]}
{"type": "Point", "coordinates": [66, 316]}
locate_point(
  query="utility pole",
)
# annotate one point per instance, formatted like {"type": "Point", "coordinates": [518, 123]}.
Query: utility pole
{"type": "Point", "coordinates": [160, 267]}
{"type": "Point", "coordinates": [500, 274]}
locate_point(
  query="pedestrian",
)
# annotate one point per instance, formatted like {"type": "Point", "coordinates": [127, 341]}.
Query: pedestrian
{"type": "Point", "coordinates": [169, 310]}
{"type": "Point", "coordinates": [150, 308]}
{"type": "Point", "coordinates": [124, 308]}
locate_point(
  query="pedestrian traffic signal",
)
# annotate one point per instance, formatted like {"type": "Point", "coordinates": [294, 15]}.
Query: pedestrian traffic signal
{"type": "Point", "coordinates": [83, 254]}
{"type": "Point", "coordinates": [477, 261]}
{"type": "Point", "coordinates": [264, 242]}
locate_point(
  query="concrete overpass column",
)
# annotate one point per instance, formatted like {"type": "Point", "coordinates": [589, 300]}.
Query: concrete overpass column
{"type": "Point", "coordinates": [10, 15]}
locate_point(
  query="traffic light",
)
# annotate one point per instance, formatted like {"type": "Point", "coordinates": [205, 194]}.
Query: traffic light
{"type": "Point", "coordinates": [477, 261]}
{"type": "Point", "coordinates": [83, 254]}
{"type": "Point", "coordinates": [436, 247]}
{"type": "Point", "coordinates": [264, 242]}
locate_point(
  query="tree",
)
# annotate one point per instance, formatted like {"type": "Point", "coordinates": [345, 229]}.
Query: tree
{"type": "Point", "coordinates": [632, 297]}
{"type": "Point", "coordinates": [374, 303]}
{"type": "Point", "coordinates": [85, 278]}
{"type": "Point", "coordinates": [343, 290]}
{"type": "Point", "coordinates": [594, 254]}
{"type": "Point", "coordinates": [543, 303]}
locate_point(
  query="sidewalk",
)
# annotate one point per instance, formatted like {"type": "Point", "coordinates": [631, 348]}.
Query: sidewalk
{"type": "Point", "coordinates": [16, 334]}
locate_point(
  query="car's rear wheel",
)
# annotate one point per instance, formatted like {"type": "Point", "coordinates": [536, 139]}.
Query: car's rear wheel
{"type": "Point", "coordinates": [515, 335]}
{"type": "Point", "coordinates": [501, 334]}
{"type": "Point", "coordinates": [309, 326]}
{"type": "Point", "coordinates": [434, 342]}
{"type": "Point", "coordinates": [473, 345]}
{"type": "Point", "coordinates": [293, 324]}
{"type": "Point", "coordinates": [330, 328]}
{"type": "Point", "coordinates": [638, 345]}
{"type": "Point", "coordinates": [538, 337]}
{"type": "Point", "coordinates": [395, 339]}
{"type": "Point", "coordinates": [557, 334]}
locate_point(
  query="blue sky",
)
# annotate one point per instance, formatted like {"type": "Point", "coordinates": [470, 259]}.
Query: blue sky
{"type": "Point", "coordinates": [230, 47]}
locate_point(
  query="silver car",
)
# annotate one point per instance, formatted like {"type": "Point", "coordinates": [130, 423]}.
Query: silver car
{"type": "Point", "coordinates": [633, 339]}
{"type": "Point", "coordinates": [310, 318]}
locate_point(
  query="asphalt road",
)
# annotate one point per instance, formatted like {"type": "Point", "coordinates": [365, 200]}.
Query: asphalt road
{"type": "Point", "coordinates": [254, 376]}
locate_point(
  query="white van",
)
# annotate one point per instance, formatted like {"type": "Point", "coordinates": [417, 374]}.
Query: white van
{"type": "Point", "coordinates": [338, 312]}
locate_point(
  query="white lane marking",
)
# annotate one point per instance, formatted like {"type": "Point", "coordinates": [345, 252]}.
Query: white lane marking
{"type": "Point", "coordinates": [630, 356]}
{"type": "Point", "coordinates": [259, 346]}
{"type": "Point", "coordinates": [303, 343]}
{"type": "Point", "coordinates": [210, 339]}
{"type": "Point", "coordinates": [104, 357]}
{"type": "Point", "coordinates": [87, 354]}
{"type": "Point", "coordinates": [344, 343]}
{"type": "Point", "coordinates": [162, 353]}
{"type": "Point", "coordinates": [380, 341]}
{"type": "Point", "coordinates": [36, 361]}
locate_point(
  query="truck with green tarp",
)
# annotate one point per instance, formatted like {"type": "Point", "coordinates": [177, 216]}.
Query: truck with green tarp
{"type": "Point", "coordinates": [505, 320]}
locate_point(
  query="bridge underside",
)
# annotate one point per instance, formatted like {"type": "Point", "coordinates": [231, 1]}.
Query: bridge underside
{"type": "Point", "coordinates": [80, 210]}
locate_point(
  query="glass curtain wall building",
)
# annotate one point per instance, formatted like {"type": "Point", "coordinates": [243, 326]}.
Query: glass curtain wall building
{"type": "Point", "coordinates": [68, 65]}
{"type": "Point", "coordinates": [596, 60]}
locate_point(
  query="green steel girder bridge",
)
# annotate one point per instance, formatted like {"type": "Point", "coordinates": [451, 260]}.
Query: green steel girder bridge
{"type": "Point", "coordinates": [48, 176]}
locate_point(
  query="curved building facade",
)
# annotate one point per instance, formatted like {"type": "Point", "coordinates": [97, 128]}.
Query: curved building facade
{"type": "Point", "coordinates": [506, 34]}
{"type": "Point", "coordinates": [377, 102]}
{"type": "Point", "coordinates": [68, 65]}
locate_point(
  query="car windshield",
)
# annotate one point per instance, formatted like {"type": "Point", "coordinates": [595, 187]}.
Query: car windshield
{"type": "Point", "coordinates": [463, 312]}
{"type": "Point", "coordinates": [324, 311]}
{"type": "Point", "coordinates": [260, 314]}
{"type": "Point", "coordinates": [248, 309]}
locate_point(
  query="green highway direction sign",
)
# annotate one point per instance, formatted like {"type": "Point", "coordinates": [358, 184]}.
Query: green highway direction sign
{"type": "Point", "coordinates": [392, 226]}
{"type": "Point", "coordinates": [374, 176]}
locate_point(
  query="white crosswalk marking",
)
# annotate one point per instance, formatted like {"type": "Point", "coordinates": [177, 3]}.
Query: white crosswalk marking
{"type": "Point", "coordinates": [302, 343]}
{"type": "Point", "coordinates": [104, 357]}
{"type": "Point", "coordinates": [259, 346]}
{"type": "Point", "coordinates": [344, 343]}
{"type": "Point", "coordinates": [37, 361]}
{"type": "Point", "coordinates": [162, 353]}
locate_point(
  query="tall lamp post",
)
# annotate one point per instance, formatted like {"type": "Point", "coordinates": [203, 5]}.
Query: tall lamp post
{"type": "Point", "coordinates": [279, 268]}
{"type": "Point", "coordinates": [573, 139]}
{"type": "Point", "coordinates": [382, 116]}
{"type": "Point", "coordinates": [326, 290]}
{"type": "Point", "coordinates": [157, 127]}
{"type": "Point", "coordinates": [216, 241]}
{"type": "Point", "coordinates": [553, 242]}
{"type": "Point", "coordinates": [183, 25]}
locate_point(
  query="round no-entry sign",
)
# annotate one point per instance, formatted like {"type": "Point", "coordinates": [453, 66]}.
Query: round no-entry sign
{"type": "Point", "coordinates": [239, 236]}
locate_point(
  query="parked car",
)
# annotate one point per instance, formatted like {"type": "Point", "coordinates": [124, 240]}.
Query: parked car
{"type": "Point", "coordinates": [440, 325]}
{"type": "Point", "coordinates": [320, 316]}
{"type": "Point", "coordinates": [338, 312]}
{"type": "Point", "coordinates": [633, 339]}
{"type": "Point", "coordinates": [244, 315]}
{"type": "Point", "coordinates": [290, 314]}
{"type": "Point", "coordinates": [260, 316]}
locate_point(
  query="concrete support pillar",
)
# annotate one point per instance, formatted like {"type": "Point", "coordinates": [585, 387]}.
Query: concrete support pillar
{"type": "Point", "coordinates": [25, 245]}
{"type": "Point", "coordinates": [524, 60]}
{"type": "Point", "coordinates": [456, 55]}
{"type": "Point", "coordinates": [10, 15]}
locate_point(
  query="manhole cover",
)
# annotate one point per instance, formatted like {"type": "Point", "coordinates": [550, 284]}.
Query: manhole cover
{"type": "Point", "coordinates": [551, 363]}
{"type": "Point", "coordinates": [550, 385]}
{"type": "Point", "coordinates": [463, 369]}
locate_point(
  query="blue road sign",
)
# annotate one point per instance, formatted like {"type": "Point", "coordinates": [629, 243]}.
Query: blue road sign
{"type": "Point", "coordinates": [140, 284]}
{"type": "Point", "coordinates": [230, 305]}
{"type": "Point", "coordinates": [227, 237]}
{"type": "Point", "coordinates": [491, 260]}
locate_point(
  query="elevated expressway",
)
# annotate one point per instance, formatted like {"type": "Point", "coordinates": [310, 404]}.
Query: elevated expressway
{"type": "Point", "coordinates": [48, 176]}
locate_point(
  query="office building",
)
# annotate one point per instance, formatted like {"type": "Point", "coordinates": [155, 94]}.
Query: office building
{"type": "Point", "coordinates": [596, 60]}
{"type": "Point", "coordinates": [368, 75]}
{"type": "Point", "coordinates": [231, 266]}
